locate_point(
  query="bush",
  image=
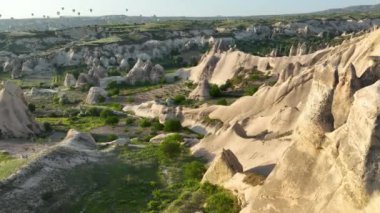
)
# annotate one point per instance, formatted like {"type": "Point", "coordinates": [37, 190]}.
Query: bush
{"type": "Point", "coordinates": [250, 91]}
{"type": "Point", "coordinates": [144, 122]}
{"type": "Point", "coordinates": [172, 125]}
{"type": "Point", "coordinates": [215, 91]}
{"type": "Point", "coordinates": [221, 202]}
{"type": "Point", "coordinates": [113, 92]}
{"type": "Point", "coordinates": [32, 107]}
{"type": "Point", "coordinates": [112, 120]}
{"type": "Point", "coordinates": [157, 126]}
{"type": "Point", "coordinates": [111, 137]}
{"type": "Point", "coordinates": [179, 99]}
{"type": "Point", "coordinates": [129, 121]}
{"type": "Point", "coordinates": [105, 113]}
{"type": "Point", "coordinates": [222, 102]}
{"type": "Point", "coordinates": [194, 170]}
{"type": "Point", "coordinates": [170, 149]}
{"type": "Point", "coordinates": [226, 86]}
{"type": "Point", "coordinates": [92, 111]}
{"type": "Point", "coordinates": [47, 127]}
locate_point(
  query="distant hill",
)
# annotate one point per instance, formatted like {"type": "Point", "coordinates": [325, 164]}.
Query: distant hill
{"type": "Point", "coordinates": [354, 9]}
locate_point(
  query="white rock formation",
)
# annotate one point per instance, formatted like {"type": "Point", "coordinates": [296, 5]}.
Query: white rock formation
{"type": "Point", "coordinates": [96, 95]}
{"type": "Point", "coordinates": [145, 72]}
{"type": "Point", "coordinates": [201, 92]}
{"type": "Point", "coordinates": [223, 168]}
{"type": "Point", "coordinates": [70, 80]}
{"type": "Point", "coordinates": [15, 118]}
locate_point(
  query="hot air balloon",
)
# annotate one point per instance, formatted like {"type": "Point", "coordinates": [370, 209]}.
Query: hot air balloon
{"type": "Point", "coordinates": [73, 10]}
{"type": "Point", "coordinates": [78, 13]}
{"type": "Point", "coordinates": [32, 14]}
{"type": "Point", "coordinates": [43, 16]}
{"type": "Point", "coordinates": [58, 13]}
{"type": "Point", "coordinates": [62, 8]}
{"type": "Point", "coordinates": [126, 10]}
{"type": "Point", "coordinates": [91, 10]}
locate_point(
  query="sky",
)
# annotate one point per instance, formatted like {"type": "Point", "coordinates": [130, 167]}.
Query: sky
{"type": "Point", "coordinates": [24, 8]}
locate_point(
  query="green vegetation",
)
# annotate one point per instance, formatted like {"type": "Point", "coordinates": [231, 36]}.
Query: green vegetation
{"type": "Point", "coordinates": [79, 123]}
{"type": "Point", "coordinates": [222, 102]}
{"type": "Point", "coordinates": [172, 125]}
{"type": "Point", "coordinates": [171, 146]}
{"type": "Point", "coordinates": [146, 180]}
{"type": "Point", "coordinates": [9, 165]}
{"type": "Point", "coordinates": [215, 91]}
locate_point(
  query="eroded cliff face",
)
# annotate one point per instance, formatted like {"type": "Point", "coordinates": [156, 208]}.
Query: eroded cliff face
{"type": "Point", "coordinates": [325, 115]}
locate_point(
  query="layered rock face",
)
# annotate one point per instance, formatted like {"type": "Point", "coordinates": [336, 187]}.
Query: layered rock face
{"type": "Point", "coordinates": [318, 125]}
{"type": "Point", "coordinates": [15, 118]}
{"type": "Point", "coordinates": [145, 72]}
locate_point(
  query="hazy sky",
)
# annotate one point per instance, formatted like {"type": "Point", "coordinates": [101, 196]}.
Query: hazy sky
{"type": "Point", "coordinates": [24, 8]}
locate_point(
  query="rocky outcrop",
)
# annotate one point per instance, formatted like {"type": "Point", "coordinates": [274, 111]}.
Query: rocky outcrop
{"type": "Point", "coordinates": [70, 80]}
{"type": "Point", "coordinates": [15, 118]}
{"type": "Point", "coordinates": [145, 72]}
{"type": "Point", "coordinates": [223, 168]}
{"type": "Point", "coordinates": [96, 95]}
{"type": "Point", "coordinates": [201, 92]}
{"type": "Point", "coordinates": [344, 95]}
{"type": "Point", "coordinates": [84, 80]}
{"type": "Point", "coordinates": [46, 176]}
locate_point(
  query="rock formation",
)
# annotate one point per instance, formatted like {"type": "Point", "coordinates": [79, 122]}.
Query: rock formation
{"type": "Point", "coordinates": [46, 174]}
{"type": "Point", "coordinates": [201, 92]}
{"type": "Point", "coordinates": [70, 80]}
{"type": "Point", "coordinates": [15, 118]}
{"type": "Point", "coordinates": [223, 168]}
{"type": "Point", "coordinates": [96, 95]}
{"type": "Point", "coordinates": [145, 72]}
{"type": "Point", "coordinates": [327, 110]}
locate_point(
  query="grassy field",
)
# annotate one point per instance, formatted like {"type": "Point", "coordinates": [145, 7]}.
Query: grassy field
{"type": "Point", "coordinates": [79, 123]}
{"type": "Point", "coordinates": [142, 180]}
{"type": "Point", "coordinates": [9, 165]}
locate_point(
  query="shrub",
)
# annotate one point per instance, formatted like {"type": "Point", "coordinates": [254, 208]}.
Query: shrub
{"type": "Point", "coordinates": [129, 121]}
{"type": "Point", "coordinates": [194, 170]}
{"type": "Point", "coordinates": [179, 99]}
{"type": "Point", "coordinates": [111, 137]}
{"type": "Point", "coordinates": [221, 202]}
{"type": "Point", "coordinates": [250, 91]}
{"type": "Point", "coordinates": [47, 127]}
{"type": "Point", "coordinates": [105, 113]}
{"type": "Point", "coordinates": [215, 91]}
{"type": "Point", "coordinates": [156, 125]}
{"type": "Point", "coordinates": [71, 112]}
{"type": "Point", "coordinates": [172, 125]}
{"type": "Point", "coordinates": [113, 92]}
{"type": "Point", "coordinates": [222, 102]}
{"type": "Point", "coordinates": [174, 138]}
{"type": "Point", "coordinates": [226, 86]}
{"type": "Point", "coordinates": [170, 149]}
{"type": "Point", "coordinates": [144, 122]}
{"type": "Point", "coordinates": [111, 120]}
{"type": "Point", "coordinates": [92, 111]}
{"type": "Point", "coordinates": [101, 99]}
{"type": "Point", "coordinates": [32, 107]}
